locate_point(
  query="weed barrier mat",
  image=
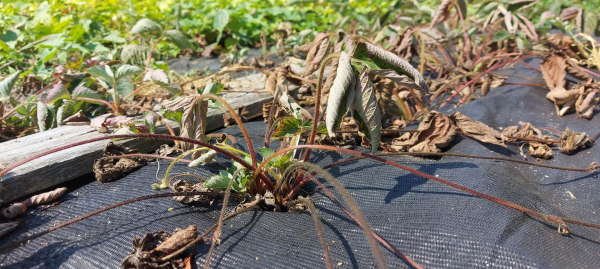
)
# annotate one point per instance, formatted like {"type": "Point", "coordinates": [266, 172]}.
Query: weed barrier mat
{"type": "Point", "coordinates": [435, 225]}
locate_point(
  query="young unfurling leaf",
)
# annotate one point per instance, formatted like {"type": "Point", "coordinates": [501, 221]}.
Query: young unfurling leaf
{"type": "Point", "coordinates": [341, 95]}
{"type": "Point", "coordinates": [366, 106]}
{"type": "Point", "coordinates": [287, 127]}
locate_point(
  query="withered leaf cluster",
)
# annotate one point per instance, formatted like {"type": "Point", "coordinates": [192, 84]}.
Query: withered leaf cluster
{"type": "Point", "coordinates": [148, 250]}
{"type": "Point", "coordinates": [435, 132]}
{"type": "Point", "coordinates": [526, 130]}
{"type": "Point", "coordinates": [186, 186]}
{"type": "Point", "coordinates": [478, 130]}
{"type": "Point", "coordinates": [571, 141]}
{"type": "Point", "coordinates": [581, 94]}
{"type": "Point", "coordinates": [18, 208]}
{"type": "Point", "coordinates": [107, 169]}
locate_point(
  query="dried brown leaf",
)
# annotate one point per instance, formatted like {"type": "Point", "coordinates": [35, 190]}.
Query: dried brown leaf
{"type": "Point", "coordinates": [315, 46]}
{"type": "Point", "coordinates": [526, 130]}
{"type": "Point", "coordinates": [441, 13]}
{"type": "Point", "coordinates": [568, 45]}
{"type": "Point", "coordinates": [200, 120]}
{"type": "Point", "coordinates": [571, 141]}
{"type": "Point", "coordinates": [478, 130]}
{"type": "Point", "coordinates": [575, 70]}
{"type": "Point", "coordinates": [185, 186]}
{"type": "Point", "coordinates": [540, 150]}
{"type": "Point", "coordinates": [554, 71]}
{"type": "Point", "coordinates": [486, 86]}
{"type": "Point", "coordinates": [563, 100]}
{"type": "Point", "coordinates": [546, 15]}
{"type": "Point", "coordinates": [148, 250]}
{"type": "Point", "coordinates": [176, 241]}
{"type": "Point", "coordinates": [271, 82]}
{"type": "Point", "coordinates": [586, 102]}
{"type": "Point", "coordinates": [573, 12]}
{"type": "Point", "coordinates": [401, 80]}
{"type": "Point", "coordinates": [42, 198]}
{"type": "Point", "coordinates": [528, 28]}
{"type": "Point", "coordinates": [435, 132]}
{"type": "Point", "coordinates": [315, 62]}
{"type": "Point", "coordinates": [108, 169]}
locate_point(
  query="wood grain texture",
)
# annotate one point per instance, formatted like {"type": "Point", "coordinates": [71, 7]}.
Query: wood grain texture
{"type": "Point", "coordinates": [69, 164]}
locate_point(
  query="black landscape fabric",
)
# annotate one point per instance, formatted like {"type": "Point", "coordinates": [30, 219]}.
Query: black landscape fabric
{"type": "Point", "coordinates": [437, 226]}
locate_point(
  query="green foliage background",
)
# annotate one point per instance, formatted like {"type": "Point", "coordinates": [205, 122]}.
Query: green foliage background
{"type": "Point", "coordinates": [37, 34]}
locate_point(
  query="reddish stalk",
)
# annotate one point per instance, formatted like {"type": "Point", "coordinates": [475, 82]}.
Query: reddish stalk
{"type": "Point", "coordinates": [525, 84]}
{"type": "Point", "coordinates": [530, 66]}
{"type": "Point", "coordinates": [97, 101]}
{"type": "Point", "coordinates": [313, 132]}
{"type": "Point", "coordinates": [377, 237]}
{"type": "Point", "coordinates": [271, 118]}
{"type": "Point", "coordinates": [464, 30]}
{"type": "Point", "coordinates": [319, 226]}
{"type": "Point", "coordinates": [591, 72]}
{"type": "Point", "coordinates": [443, 52]}
{"type": "Point", "coordinates": [525, 210]}
{"type": "Point", "coordinates": [496, 66]}
{"type": "Point", "coordinates": [150, 54]}
{"type": "Point", "coordinates": [47, 87]}
{"type": "Point", "coordinates": [237, 120]}
{"type": "Point", "coordinates": [534, 139]}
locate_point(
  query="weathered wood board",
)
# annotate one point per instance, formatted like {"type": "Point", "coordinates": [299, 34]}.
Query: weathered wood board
{"type": "Point", "coordinates": [69, 164]}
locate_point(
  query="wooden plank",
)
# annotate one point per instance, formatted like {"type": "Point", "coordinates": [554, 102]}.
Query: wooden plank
{"type": "Point", "coordinates": [69, 164]}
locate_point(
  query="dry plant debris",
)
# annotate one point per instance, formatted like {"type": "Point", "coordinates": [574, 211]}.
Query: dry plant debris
{"type": "Point", "coordinates": [107, 169]}
{"type": "Point", "coordinates": [40, 199]}
{"type": "Point", "coordinates": [148, 250]}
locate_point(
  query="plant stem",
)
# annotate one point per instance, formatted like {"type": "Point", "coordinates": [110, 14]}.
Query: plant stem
{"type": "Point", "coordinates": [217, 232]}
{"type": "Point", "coordinates": [422, 56]}
{"type": "Point", "coordinates": [319, 226]}
{"type": "Point", "coordinates": [237, 120]}
{"type": "Point", "coordinates": [534, 139]}
{"type": "Point", "coordinates": [484, 73]}
{"type": "Point", "coordinates": [97, 101]}
{"type": "Point", "coordinates": [150, 53]}
{"type": "Point", "coordinates": [7, 115]}
{"type": "Point", "coordinates": [135, 91]}
{"type": "Point", "coordinates": [47, 87]}
{"type": "Point", "coordinates": [450, 154]}
{"type": "Point", "coordinates": [272, 111]}
{"type": "Point", "coordinates": [464, 30]}
{"type": "Point", "coordinates": [550, 218]}
{"type": "Point", "coordinates": [361, 220]}
{"type": "Point", "coordinates": [313, 132]}
{"type": "Point", "coordinates": [377, 237]}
